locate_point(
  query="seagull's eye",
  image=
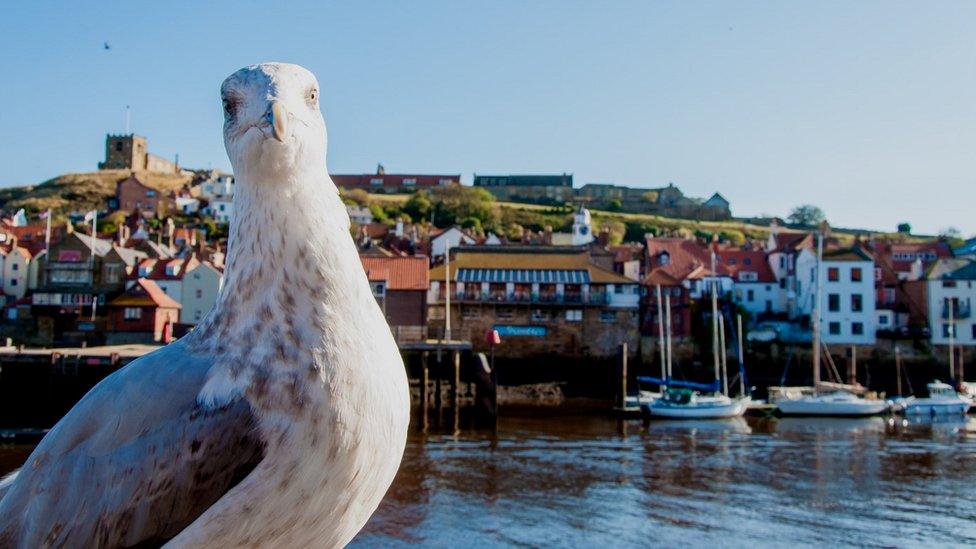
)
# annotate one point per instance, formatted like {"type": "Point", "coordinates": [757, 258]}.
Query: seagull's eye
{"type": "Point", "coordinates": [312, 97]}
{"type": "Point", "coordinates": [228, 108]}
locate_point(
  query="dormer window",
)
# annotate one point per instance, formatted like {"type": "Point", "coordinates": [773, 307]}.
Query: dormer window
{"type": "Point", "coordinates": [664, 258]}
{"type": "Point", "coordinates": [172, 270]}
{"type": "Point", "coordinates": [143, 271]}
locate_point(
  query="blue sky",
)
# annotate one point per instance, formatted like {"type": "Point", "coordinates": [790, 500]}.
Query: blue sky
{"type": "Point", "coordinates": [866, 109]}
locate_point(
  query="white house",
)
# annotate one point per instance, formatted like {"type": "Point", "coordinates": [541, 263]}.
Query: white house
{"type": "Point", "coordinates": [201, 285]}
{"type": "Point", "coordinates": [952, 282]}
{"type": "Point", "coordinates": [187, 204]}
{"type": "Point", "coordinates": [359, 215]}
{"type": "Point", "coordinates": [16, 271]}
{"type": "Point", "coordinates": [754, 285]}
{"type": "Point", "coordinates": [451, 237]}
{"type": "Point", "coordinates": [847, 307]}
{"type": "Point", "coordinates": [220, 185]}
{"type": "Point", "coordinates": [222, 209]}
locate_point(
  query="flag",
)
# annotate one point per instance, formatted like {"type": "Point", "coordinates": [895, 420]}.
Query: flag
{"type": "Point", "coordinates": [20, 218]}
{"type": "Point", "coordinates": [91, 215]}
{"type": "Point", "coordinates": [44, 215]}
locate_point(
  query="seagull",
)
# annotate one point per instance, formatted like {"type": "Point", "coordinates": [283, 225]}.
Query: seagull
{"type": "Point", "coordinates": [281, 419]}
{"type": "Point", "coordinates": [106, 46]}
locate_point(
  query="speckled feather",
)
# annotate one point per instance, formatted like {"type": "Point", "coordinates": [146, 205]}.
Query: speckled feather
{"type": "Point", "coordinates": [295, 365]}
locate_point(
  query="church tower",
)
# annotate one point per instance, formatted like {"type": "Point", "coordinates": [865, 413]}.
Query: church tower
{"type": "Point", "coordinates": [582, 230]}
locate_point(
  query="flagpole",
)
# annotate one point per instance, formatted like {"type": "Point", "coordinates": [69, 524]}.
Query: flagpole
{"type": "Point", "coordinates": [47, 237]}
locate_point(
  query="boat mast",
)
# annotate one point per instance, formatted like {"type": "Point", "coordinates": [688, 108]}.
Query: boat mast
{"type": "Point", "coordinates": [815, 318]}
{"type": "Point", "coordinates": [952, 333]}
{"type": "Point", "coordinates": [715, 320]}
{"type": "Point", "coordinates": [742, 364]}
{"type": "Point", "coordinates": [667, 311]}
{"type": "Point", "coordinates": [660, 331]}
{"type": "Point", "coordinates": [725, 358]}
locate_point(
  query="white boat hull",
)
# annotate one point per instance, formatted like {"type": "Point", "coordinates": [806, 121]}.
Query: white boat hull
{"type": "Point", "coordinates": [831, 407]}
{"type": "Point", "coordinates": [936, 407]}
{"type": "Point", "coordinates": [705, 409]}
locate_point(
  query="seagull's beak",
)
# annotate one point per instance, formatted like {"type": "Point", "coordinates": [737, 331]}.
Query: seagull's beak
{"type": "Point", "coordinates": [278, 116]}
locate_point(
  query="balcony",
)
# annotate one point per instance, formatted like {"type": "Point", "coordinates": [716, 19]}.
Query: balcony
{"type": "Point", "coordinates": [596, 298]}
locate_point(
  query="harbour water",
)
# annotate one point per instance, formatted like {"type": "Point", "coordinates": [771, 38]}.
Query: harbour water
{"type": "Point", "coordinates": [573, 477]}
{"type": "Point", "coordinates": [570, 478]}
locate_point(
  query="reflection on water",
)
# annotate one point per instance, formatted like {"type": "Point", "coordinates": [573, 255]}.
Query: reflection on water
{"type": "Point", "coordinates": [564, 478]}
{"type": "Point", "coordinates": [570, 477]}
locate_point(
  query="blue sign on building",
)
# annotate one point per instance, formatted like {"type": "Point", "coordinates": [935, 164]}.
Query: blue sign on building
{"type": "Point", "coordinates": [520, 331]}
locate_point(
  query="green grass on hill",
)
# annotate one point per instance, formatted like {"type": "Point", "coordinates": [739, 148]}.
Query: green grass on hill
{"type": "Point", "coordinates": [81, 191]}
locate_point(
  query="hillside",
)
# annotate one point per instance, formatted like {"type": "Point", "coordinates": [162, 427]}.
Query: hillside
{"type": "Point", "coordinates": [81, 191]}
{"type": "Point", "coordinates": [634, 222]}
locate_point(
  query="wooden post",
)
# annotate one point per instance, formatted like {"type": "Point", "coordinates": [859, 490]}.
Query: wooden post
{"type": "Point", "coordinates": [456, 379]}
{"type": "Point", "coordinates": [424, 379]}
{"type": "Point", "coordinates": [898, 368]}
{"type": "Point", "coordinates": [962, 367]}
{"type": "Point", "coordinates": [852, 367]}
{"type": "Point", "coordinates": [623, 376]}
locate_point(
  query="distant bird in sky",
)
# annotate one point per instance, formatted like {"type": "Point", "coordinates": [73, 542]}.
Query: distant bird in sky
{"type": "Point", "coordinates": [107, 46]}
{"type": "Point", "coordinates": [282, 418]}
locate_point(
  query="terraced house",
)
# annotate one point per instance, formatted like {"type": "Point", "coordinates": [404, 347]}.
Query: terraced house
{"type": "Point", "coordinates": [544, 301]}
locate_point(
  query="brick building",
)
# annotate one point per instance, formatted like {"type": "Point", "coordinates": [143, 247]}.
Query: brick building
{"type": "Point", "coordinates": [400, 286]}
{"type": "Point", "coordinates": [143, 314]}
{"type": "Point", "coordinates": [132, 194]}
{"type": "Point", "coordinates": [392, 183]}
{"type": "Point", "coordinates": [544, 301]}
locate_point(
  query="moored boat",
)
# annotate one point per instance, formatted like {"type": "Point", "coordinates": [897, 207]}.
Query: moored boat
{"type": "Point", "coordinates": [942, 400]}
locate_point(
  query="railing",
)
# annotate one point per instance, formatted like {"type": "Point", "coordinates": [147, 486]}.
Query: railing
{"type": "Point", "coordinates": [600, 298]}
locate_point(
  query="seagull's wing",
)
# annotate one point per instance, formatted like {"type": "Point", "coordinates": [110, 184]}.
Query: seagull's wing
{"type": "Point", "coordinates": [135, 461]}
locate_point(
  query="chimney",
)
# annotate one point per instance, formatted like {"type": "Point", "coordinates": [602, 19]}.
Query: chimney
{"type": "Point", "coordinates": [604, 238]}
{"type": "Point", "coordinates": [547, 236]}
{"type": "Point", "coordinates": [525, 235]}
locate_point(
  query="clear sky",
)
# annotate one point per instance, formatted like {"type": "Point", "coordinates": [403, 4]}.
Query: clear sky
{"type": "Point", "coordinates": [867, 109]}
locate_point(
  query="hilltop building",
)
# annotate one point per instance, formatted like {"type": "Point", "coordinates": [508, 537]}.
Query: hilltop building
{"type": "Point", "coordinates": [392, 183]}
{"type": "Point", "coordinates": [539, 189]}
{"type": "Point", "coordinates": [131, 152]}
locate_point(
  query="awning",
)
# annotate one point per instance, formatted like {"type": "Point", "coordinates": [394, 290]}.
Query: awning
{"type": "Point", "coordinates": [525, 276]}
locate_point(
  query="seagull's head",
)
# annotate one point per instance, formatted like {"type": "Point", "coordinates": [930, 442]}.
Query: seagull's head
{"type": "Point", "coordinates": [272, 120]}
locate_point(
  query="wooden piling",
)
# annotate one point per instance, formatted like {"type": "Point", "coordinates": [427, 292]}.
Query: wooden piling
{"type": "Point", "coordinates": [898, 368]}
{"type": "Point", "coordinates": [456, 379]}
{"type": "Point", "coordinates": [623, 376]}
{"type": "Point", "coordinates": [424, 380]}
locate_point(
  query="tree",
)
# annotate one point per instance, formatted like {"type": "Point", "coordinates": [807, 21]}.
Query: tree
{"type": "Point", "coordinates": [418, 205]}
{"type": "Point", "coordinates": [452, 204]}
{"type": "Point", "coordinates": [615, 205]}
{"type": "Point", "coordinates": [905, 227]}
{"type": "Point", "coordinates": [806, 215]}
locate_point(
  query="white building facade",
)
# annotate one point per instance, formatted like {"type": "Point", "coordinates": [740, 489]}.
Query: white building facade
{"type": "Point", "coordinates": [201, 285]}
{"type": "Point", "coordinates": [847, 307]}
{"type": "Point", "coordinates": [951, 284]}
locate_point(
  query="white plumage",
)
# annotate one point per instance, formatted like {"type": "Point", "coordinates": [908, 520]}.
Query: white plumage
{"type": "Point", "coordinates": [280, 420]}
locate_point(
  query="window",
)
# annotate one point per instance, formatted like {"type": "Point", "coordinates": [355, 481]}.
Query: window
{"type": "Point", "coordinates": [731, 261]}
{"type": "Point", "coordinates": [379, 289]}
{"type": "Point", "coordinates": [376, 182]}
{"type": "Point", "coordinates": [197, 315]}
{"type": "Point", "coordinates": [748, 276]}
{"type": "Point", "coordinates": [782, 283]}
{"type": "Point", "coordinates": [834, 328]}
{"type": "Point", "coordinates": [505, 314]}
{"type": "Point", "coordinates": [948, 283]}
{"type": "Point", "coordinates": [769, 306]}
{"type": "Point", "coordinates": [113, 272]}
{"type": "Point", "coordinates": [747, 261]}
{"type": "Point", "coordinates": [574, 315]}
{"type": "Point", "coordinates": [132, 313]}
{"type": "Point", "coordinates": [883, 320]}
{"type": "Point", "coordinates": [664, 258]}
{"type": "Point", "coordinates": [857, 328]}
{"type": "Point", "coordinates": [945, 330]}
{"type": "Point", "coordinates": [857, 304]}
{"type": "Point", "coordinates": [833, 302]}
{"type": "Point", "coordinates": [409, 182]}
{"type": "Point", "coordinates": [444, 182]}
{"type": "Point", "coordinates": [13, 281]}
{"type": "Point", "coordinates": [608, 316]}
{"type": "Point", "coordinates": [750, 295]}
{"type": "Point", "coordinates": [16, 266]}
{"type": "Point", "coordinates": [539, 315]}
{"type": "Point", "coordinates": [199, 293]}
{"type": "Point", "coordinates": [118, 146]}
{"type": "Point", "coordinates": [974, 330]}
{"type": "Point", "coordinates": [855, 274]}
{"type": "Point", "coordinates": [782, 262]}
{"type": "Point", "coordinates": [877, 273]}
{"type": "Point", "coordinates": [833, 274]}
{"type": "Point", "coordinates": [470, 313]}
{"type": "Point", "coordinates": [150, 193]}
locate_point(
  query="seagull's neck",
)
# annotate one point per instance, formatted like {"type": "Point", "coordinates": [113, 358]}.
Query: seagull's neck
{"type": "Point", "coordinates": [292, 268]}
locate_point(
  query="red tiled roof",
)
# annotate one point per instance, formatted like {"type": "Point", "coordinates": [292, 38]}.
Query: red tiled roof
{"type": "Point", "coordinates": [686, 258]}
{"type": "Point", "coordinates": [735, 261]}
{"type": "Point", "coordinates": [792, 241]}
{"type": "Point", "coordinates": [145, 293]}
{"type": "Point", "coordinates": [399, 272]}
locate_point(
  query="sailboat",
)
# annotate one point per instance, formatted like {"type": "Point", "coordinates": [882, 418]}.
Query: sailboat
{"type": "Point", "coordinates": [943, 399]}
{"type": "Point", "coordinates": [825, 399]}
{"type": "Point", "coordinates": [689, 400]}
